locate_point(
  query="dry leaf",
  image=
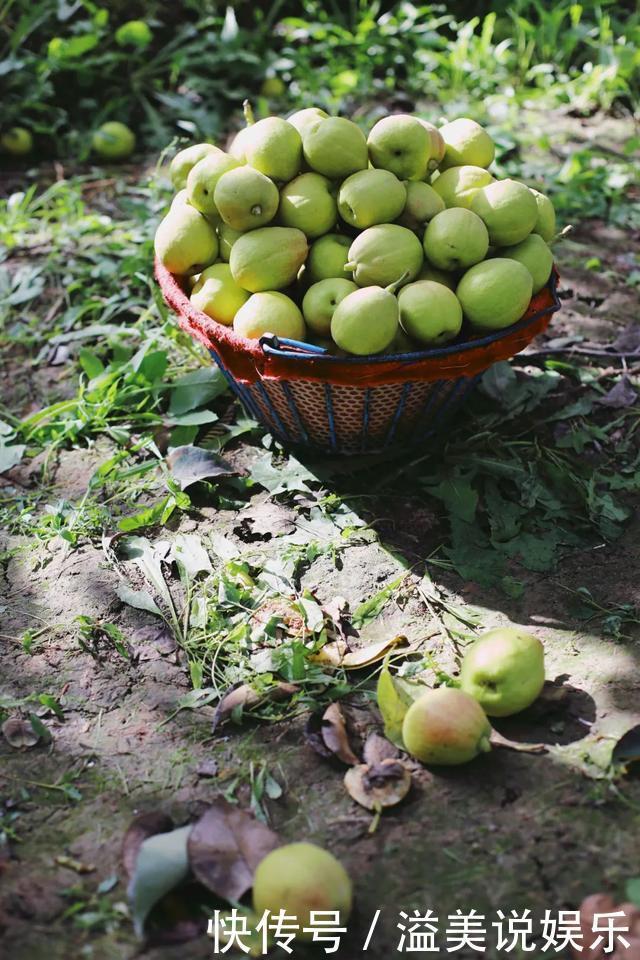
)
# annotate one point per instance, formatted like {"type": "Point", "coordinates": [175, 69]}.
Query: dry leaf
{"type": "Point", "coordinates": [378, 748]}
{"type": "Point", "coordinates": [497, 740]}
{"type": "Point", "coordinates": [245, 697]}
{"type": "Point", "coordinates": [334, 733]}
{"type": "Point", "coordinates": [225, 846]}
{"type": "Point", "coordinates": [338, 655]}
{"type": "Point", "coordinates": [75, 865]}
{"type": "Point", "coordinates": [145, 826]}
{"type": "Point", "coordinates": [264, 521]}
{"type": "Point", "coordinates": [381, 785]}
{"type": "Point", "coordinates": [19, 733]}
{"type": "Point", "coordinates": [190, 464]}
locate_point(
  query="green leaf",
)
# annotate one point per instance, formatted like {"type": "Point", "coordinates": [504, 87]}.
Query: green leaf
{"type": "Point", "coordinates": [457, 494]}
{"type": "Point", "coordinates": [189, 465]}
{"type": "Point", "coordinates": [140, 599]}
{"type": "Point", "coordinates": [196, 389]}
{"type": "Point", "coordinates": [632, 890]}
{"type": "Point", "coordinates": [369, 610]}
{"type": "Point", "coordinates": [190, 555]}
{"type": "Point", "coordinates": [145, 518]}
{"type": "Point", "coordinates": [161, 865]}
{"type": "Point", "coordinates": [10, 456]}
{"type": "Point", "coordinates": [393, 703]}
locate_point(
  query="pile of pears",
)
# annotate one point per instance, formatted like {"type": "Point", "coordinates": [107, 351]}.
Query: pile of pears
{"type": "Point", "coordinates": [307, 229]}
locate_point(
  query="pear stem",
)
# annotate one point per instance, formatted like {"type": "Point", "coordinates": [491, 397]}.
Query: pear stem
{"type": "Point", "coordinates": [397, 283]}
{"type": "Point", "coordinates": [350, 266]}
{"type": "Point", "coordinates": [497, 740]}
{"type": "Point", "coordinates": [247, 109]}
{"type": "Point", "coordinates": [562, 234]}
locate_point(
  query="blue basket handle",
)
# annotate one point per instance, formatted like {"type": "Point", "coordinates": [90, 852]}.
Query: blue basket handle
{"type": "Point", "coordinates": [271, 344]}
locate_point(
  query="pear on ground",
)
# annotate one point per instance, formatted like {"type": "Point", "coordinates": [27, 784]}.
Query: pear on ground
{"type": "Point", "coordinates": [217, 294]}
{"type": "Point", "coordinates": [274, 147]}
{"type": "Point", "coordinates": [421, 206]}
{"type": "Point", "coordinates": [446, 727]}
{"type": "Point", "coordinates": [437, 145]}
{"type": "Point", "coordinates": [495, 293]}
{"type": "Point", "coordinates": [185, 241]}
{"type": "Point", "coordinates": [203, 179]}
{"type": "Point", "coordinates": [113, 141]}
{"type": "Point", "coordinates": [335, 147]}
{"type": "Point", "coordinates": [508, 209]}
{"type": "Point", "coordinates": [185, 160]}
{"type": "Point", "coordinates": [328, 256]}
{"type": "Point", "coordinates": [308, 203]}
{"type": "Point", "coordinates": [545, 223]}
{"type": "Point", "coordinates": [246, 199]}
{"type": "Point", "coordinates": [227, 236]}
{"type": "Point", "coordinates": [535, 255]}
{"type": "Point", "coordinates": [269, 312]}
{"type": "Point", "coordinates": [371, 196]}
{"type": "Point", "coordinates": [380, 254]}
{"type": "Point", "coordinates": [320, 302]}
{"type": "Point", "coordinates": [303, 119]}
{"type": "Point", "coordinates": [455, 239]}
{"type": "Point", "coordinates": [428, 272]}
{"type": "Point", "coordinates": [466, 142]}
{"type": "Point", "coordinates": [458, 185]}
{"type": "Point", "coordinates": [17, 141]}
{"type": "Point", "coordinates": [504, 671]}
{"type": "Point", "coordinates": [429, 312]}
{"type": "Point", "coordinates": [401, 144]}
{"type": "Point", "coordinates": [366, 321]}
{"type": "Point", "coordinates": [268, 258]}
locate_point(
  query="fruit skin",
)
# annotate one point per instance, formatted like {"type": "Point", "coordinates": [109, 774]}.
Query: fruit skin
{"type": "Point", "coordinates": [495, 293]}
{"type": "Point", "coordinates": [269, 312]}
{"type": "Point", "coordinates": [268, 258]}
{"type": "Point", "coordinates": [185, 241]}
{"type": "Point", "coordinates": [401, 144]}
{"type": "Point", "coordinates": [226, 239]}
{"type": "Point", "coordinates": [238, 144]}
{"type": "Point", "coordinates": [509, 211]}
{"type": "Point", "coordinates": [327, 257]}
{"type": "Point", "coordinates": [18, 141]}
{"type": "Point", "coordinates": [308, 203]}
{"type": "Point", "coordinates": [458, 185]}
{"type": "Point", "coordinates": [303, 119]}
{"type": "Point", "coordinates": [113, 141]}
{"type": "Point", "coordinates": [446, 727]}
{"type": "Point", "coordinates": [504, 671]}
{"type": "Point", "coordinates": [381, 254]}
{"type": "Point", "coordinates": [545, 223]}
{"type": "Point", "coordinates": [366, 321]}
{"type": "Point", "coordinates": [245, 198]}
{"type": "Point", "coordinates": [423, 203]}
{"type": "Point", "coordinates": [466, 142]}
{"type": "Point", "coordinates": [371, 196]}
{"type": "Point", "coordinates": [185, 160]}
{"type": "Point", "coordinates": [273, 147]}
{"type": "Point", "coordinates": [438, 276]}
{"type": "Point", "coordinates": [203, 179]}
{"type": "Point", "coordinates": [134, 33]}
{"type": "Point", "coordinates": [335, 147]}
{"type": "Point", "coordinates": [535, 255]}
{"type": "Point", "coordinates": [300, 878]}
{"type": "Point", "coordinates": [429, 312]}
{"type": "Point", "coordinates": [455, 239]}
{"type": "Point", "coordinates": [217, 294]}
{"type": "Point", "coordinates": [437, 145]}
{"type": "Point", "coordinates": [320, 302]}
{"type": "Point", "coordinates": [272, 87]}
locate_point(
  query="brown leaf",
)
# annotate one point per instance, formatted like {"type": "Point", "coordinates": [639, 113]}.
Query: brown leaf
{"type": "Point", "coordinates": [338, 655]}
{"type": "Point", "coordinates": [19, 733]}
{"type": "Point", "coordinates": [338, 619]}
{"type": "Point", "coordinates": [378, 748]}
{"type": "Point", "coordinates": [264, 521]}
{"type": "Point", "coordinates": [245, 697]}
{"type": "Point", "coordinates": [190, 464]}
{"type": "Point", "coordinates": [378, 786]}
{"type": "Point", "coordinates": [622, 394]}
{"type": "Point", "coordinates": [145, 826]}
{"type": "Point", "coordinates": [207, 768]}
{"type": "Point", "coordinates": [225, 846]}
{"type": "Point", "coordinates": [76, 865]}
{"type": "Point", "coordinates": [334, 734]}
{"type": "Point", "coordinates": [497, 740]}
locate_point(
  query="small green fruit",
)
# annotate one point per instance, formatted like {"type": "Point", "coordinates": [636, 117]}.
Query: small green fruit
{"type": "Point", "coordinates": [272, 87]}
{"type": "Point", "coordinates": [458, 185]}
{"type": "Point", "coordinates": [446, 727]}
{"type": "Point", "coordinates": [203, 179]}
{"type": "Point", "coordinates": [185, 241]}
{"type": "Point", "coordinates": [303, 119]}
{"type": "Point", "coordinates": [113, 141]}
{"type": "Point", "coordinates": [371, 196]}
{"type": "Point", "coordinates": [423, 203]}
{"type": "Point", "coordinates": [380, 254]}
{"type": "Point", "coordinates": [545, 224]}
{"type": "Point", "coordinates": [327, 257]}
{"type": "Point", "coordinates": [401, 144]}
{"type": "Point", "coordinates": [245, 198]}
{"type": "Point", "coordinates": [495, 293]}
{"type": "Point", "coordinates": [269, 312]}
{"type": "Point", "coordinates": [309, 204]}
{"type": "Point", "coordinates": [134, 33]}
{"type": "Point", "coordinates": [273, 147]}
{"type": "Point", "coordinates": [268, 258]}
{"type": "Point", "coordinates": [320, 302]}
{"type": "Point", "coordinates": [17, 141]}
{"type": "Point", "coordinates": [366, 321]}
{"type": "Point", "coordinates": [226, 238]}
{"type": "Point", "coordinates": [508, 209]}
{"type": "Point", "coordinates": [437, 145]}
{"type": "Point", "coordinates": [430, 312]}
{"type": "Point", "coordinates": [536, 256]}
{"type": "Point", "coordinates": [185, 160]}
{"type": "Point", "coordinates": [455, 239]}
{"type": "Point", "coordinates": [217, 294]}
{"type": "Point", "coordinates": [504, 671]}
{"type": "Point", "coordinates": [335, 147]}
{"type": "Point", "coordinates": [466, 143]}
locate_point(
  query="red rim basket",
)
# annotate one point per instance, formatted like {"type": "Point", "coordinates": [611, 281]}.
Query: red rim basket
{"type": "Point", "coordinates": [352, 405]}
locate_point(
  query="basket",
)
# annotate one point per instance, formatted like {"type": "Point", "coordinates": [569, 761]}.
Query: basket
{"type": "Point", "coordinates": [352, 405]}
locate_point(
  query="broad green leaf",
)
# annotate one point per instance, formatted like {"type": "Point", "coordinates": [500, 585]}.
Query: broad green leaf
{"type": "Point", "coordinates": [372, 607]}
{"type": "Point", "coordinates": [190, 555]}
{"type": "Point", "coordinates": [393, 703]}
{"type": "Point", "coordinates": [140, 599]}
{"type": "Point", "coordinates": [161, 865]}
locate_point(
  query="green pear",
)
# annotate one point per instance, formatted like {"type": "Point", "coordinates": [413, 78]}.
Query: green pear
{"type": "Point", "coordinates": [269, 312]}
{"type": "Point", "coordinates": [466, 143]}
{"type": "Point", "coordinates": [455, 239]}
{"type": "Point", "coordinates": [202, 180]}
{"type": "Point", "coordinates": [401, 144]}
{"type": "Point", "coordinates": [268, 258]}
{"type": "Point", "coordinates": [113, 141]}
{"type": "Point", "coordinates": [217, 294]}
{"type": "Point", "coordinates": [446, 727]}
{"type": "Point", "coordinates": [185, 160]}
{"type": "Point", "coordinates": [17, 141]}
{"type": "Point", "coordinates": [428, 272]}
{"type": "Point", "coordinates": [181, 198]}
{"type": "Point", "coordinates": [321, 300]}
{"type": "Point", "coordinates": [371, 196]}
{"type": "Point", "coordinates": [309, 204]}
{"type": "Point", "coordinates": [185, 241]}
{"type": "Point", "coordinates": [335, 147]}
{"type": "Point", "coordinates": [545, 223]}
{"type": "Point", "coordinates": [430, 312]}
{"type": "Point", "coordinates": [245, 198]}
{"type": "Point", "coordinates": [536, 256]}
{"type": "Point", "coordinates": [328, 256]}
{"type": "Point", "coordinates": [226, 239]}
{"type": "Point", "coordinates": [504, 671]}
{"type": "Point", "coordinates": [303, 119]}
{"type": "Point", "coordinates": [508, 209]}
{"type": "Point", "coordinates": [366, 321]}
{"type": "Point", "coordinates": [495, 293]}
{"type": "Point", "coordinates": [423, 203]}
{"type": "Point", "coordinates": [437, 145]}
{"type": "Point", "coordinates": [274, 147]}
{"type": "Point", "coordinates": [380, 254]}
{"type": "Point", "coordinates": [458, 185]}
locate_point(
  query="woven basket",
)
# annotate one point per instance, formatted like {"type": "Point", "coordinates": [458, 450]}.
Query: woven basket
{"type": "Point", "coordinates": [352, 405]}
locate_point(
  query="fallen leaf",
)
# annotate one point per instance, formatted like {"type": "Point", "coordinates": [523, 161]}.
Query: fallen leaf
{"type": "Point", "coordinates": [19, 733]}
{"type": "Point", "coordinates": [381, 785]}
{"type": "Point", "coordinates": [145, 826]}
{"type": "Point", "coordinates": [628, 341]}
{"type": "Point", "coordinates": [207, 768]}
{"type": "Point", "coordinates": [337, 653]}
{"type": "Point", "coordinates": [161, 865]}
{"type": "Point", "coordinates": [378, 748]}
{"type": "Point", "coordinates": [338, 620]}
{"type": "Point", "coordinates": [75, 865]}
{"type": "Point", "coordinates": [244, 697]}
{"type": "Point", "coordinates": [190, 464]}
{"type": "Point", "coordinates": [622, 394]}
{"type": "Point", "coordinates": [140, 599]}
{"type": "Point", "coordinates": [190, 555]}
{"type": "Point", "coordinates": [497, 740]}
{"type": "Point", "coordinates": [264, 521]}
{"type": "Point", "coordinates": [333, 729]}
{"type": "Point", "coordinates": [627, 750]}
{"type": "Point", "coordinates": [225, 847]}
{"type": "Point", "coordinates": [393, 703]}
